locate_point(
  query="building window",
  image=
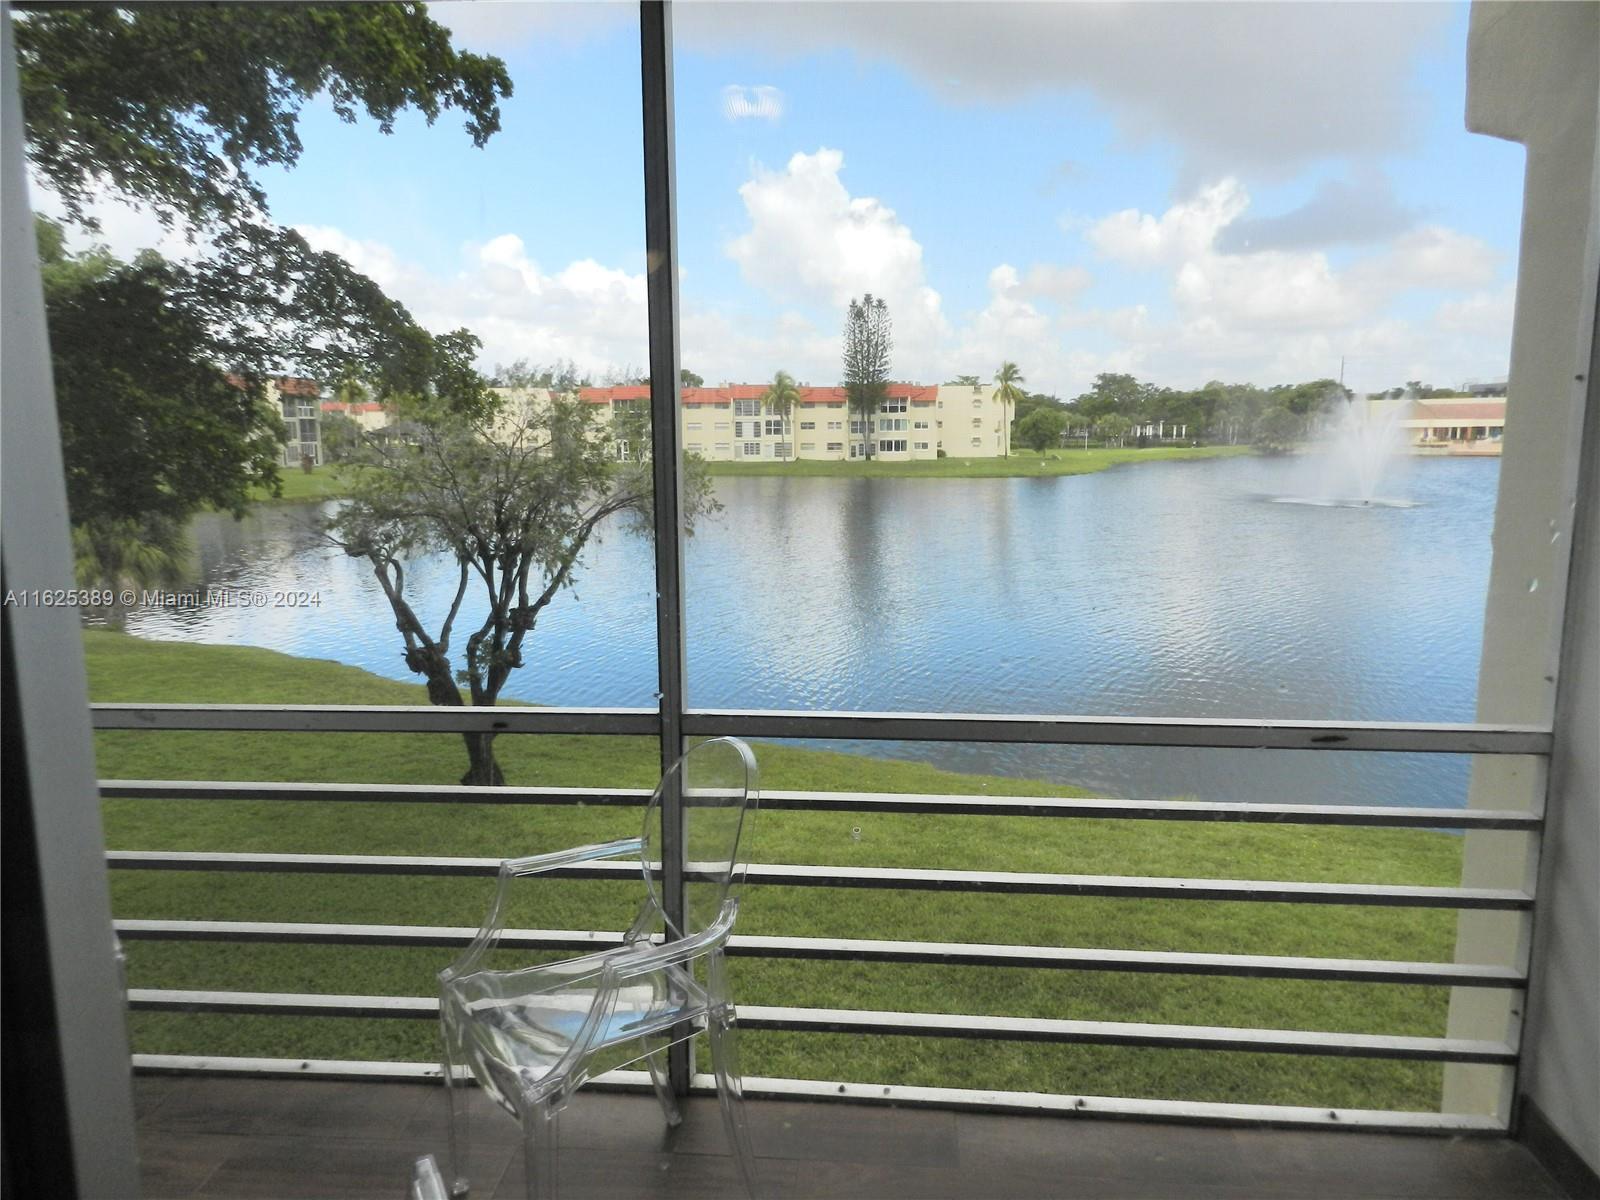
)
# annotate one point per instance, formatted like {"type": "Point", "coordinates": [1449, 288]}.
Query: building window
{"type": "Point", "coordinates": [783, 450]}
{"type": "Point", "coordinates": [977, 441]}
{"type": "Point", "coordinates": [893, 404]}
{"type": "Point", "coordinates": [693, 426]}
{"type": "Point", "coordinates": [922, 445]}
{"type": "Point", "coordinates": [775, 428]}
{"type": "Point", "coordinates": [747, 408]}
{"type": "Point", "coordinates": [858, 426]}
{"type": "Point", "coordinates": [977, 422]}
{"type": "Point", "coordinates": [721, 425]}
{"type": "Point", "coordinates": [892, 425]}
{"type": "Point", "coordinates": [892, 446]}
{"type": "Point", "coordinates": [752, 449]}
{"type": "Point", "coordinates": [835, 426]}
{"type": "Point", "coordinates": [722, 448]}
{"type": "Point", "coordinates": [835, 447]}
{"type": "Point", "coordinates": [695, 448]}
{"type": "Point", "coordinates": [808, 445]}
{"type": "Point", "coordinates": [977, 402]}
{"type": "Point", "coordinates": [622, 450]}
{"type": "Point", "coordinates": [808, 424]}
{"type": "Point", "coordinates": [919, 424]}
{"type": "Point", "coordinates": [855, 449]}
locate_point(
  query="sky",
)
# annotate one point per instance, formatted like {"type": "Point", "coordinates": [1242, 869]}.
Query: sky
{"type": "Point", "coordinates": [1262, 192]}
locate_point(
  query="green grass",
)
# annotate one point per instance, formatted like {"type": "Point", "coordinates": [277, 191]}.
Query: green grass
{"type": "Point", "coordinates": [128, 669]}
{"type": "Point", "coordinates": [1021, 463]}
{"type": "Point", "coordinates": [321, 483]}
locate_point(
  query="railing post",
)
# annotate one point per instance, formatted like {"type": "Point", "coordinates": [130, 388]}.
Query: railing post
{"type": "Point", "coordinates": [661, 259]}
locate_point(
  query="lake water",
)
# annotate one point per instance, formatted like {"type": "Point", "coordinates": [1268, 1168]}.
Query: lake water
{"type": "Point", "coordinates": [1164, 589]}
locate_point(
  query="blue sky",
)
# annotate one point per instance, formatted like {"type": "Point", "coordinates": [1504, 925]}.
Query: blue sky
{"type": "Point", "coordinates": [1186, 192]}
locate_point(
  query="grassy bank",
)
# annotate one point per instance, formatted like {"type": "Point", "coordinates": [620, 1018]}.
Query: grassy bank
{"type": "Point", "coordinates": [127, 669]}
{"type": "Point", "coordinates": [1024, 463]}
{"type": "Point", "coordinates": [322, 483]}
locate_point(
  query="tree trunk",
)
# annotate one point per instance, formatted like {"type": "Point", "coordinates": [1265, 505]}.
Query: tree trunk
{"type": "Point", "coordinates": [484, 770]}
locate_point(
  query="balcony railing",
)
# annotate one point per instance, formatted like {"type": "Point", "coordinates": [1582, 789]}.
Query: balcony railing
{"type": "Point", "coordinates": [1300, 735]}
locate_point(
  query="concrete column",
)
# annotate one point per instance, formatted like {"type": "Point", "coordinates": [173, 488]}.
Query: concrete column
{"type": "Point", "coordinates": [1533, 77]}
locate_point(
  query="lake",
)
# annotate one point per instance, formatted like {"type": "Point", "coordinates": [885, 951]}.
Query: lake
{"type": "Point", "coordinates": [1186, 589]}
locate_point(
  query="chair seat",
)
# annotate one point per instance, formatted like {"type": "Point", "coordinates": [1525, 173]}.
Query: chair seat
{"type": "Point", "coordinates": [525, 1021]}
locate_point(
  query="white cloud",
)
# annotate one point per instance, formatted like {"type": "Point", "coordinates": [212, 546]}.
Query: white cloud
{"type": "Point", "coordinates": [125, 229]}
{"type": "Point", "coordinates": [809, 246]}
{"type": "Point", "coordinates": [1182, 233]}
{"type": "Point", "coordinates": [503, 26]}
{"type": "Point", "coordinates": [763, 102]}
{"type": "Point", "coordinates": [1238, 86]}
{"type": "Point", "coordinates": [1281, 314]}
{"type": "Point", "coordinates": [811, 242]}
{"type": "Point", "coordinates": [1484, 313]}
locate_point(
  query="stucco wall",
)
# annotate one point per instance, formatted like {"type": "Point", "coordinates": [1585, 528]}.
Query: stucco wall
{"type": "Point", "coordinates": [1561, 1067]}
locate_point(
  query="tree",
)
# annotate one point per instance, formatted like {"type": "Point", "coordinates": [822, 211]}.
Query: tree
{"type": "Point", "coordinates": [1112, 393]}
{"type": "Point", "coordinates": [1279, 429]}
{"type": "Point", "coordinates": [868, 340]}
{"type": "Point", "coordinates": [341, 437]}
{"type": "Point", "coordinates": [782, 397]}
{"type": "Point", "coordinates": [1008, 393]}
{"type": "Point", "coordinates": [174, 107]}
{"type": "Point", "coordinates": [963, 381]}
{"type": "Point", "coordinates": [181, 435]}
{"type": "Point", "coordinates": [514, 502]}
{"type": "Point", "coordinates": [1041, 429]}
{"type": "Point", "coordinates": [689, 379]}
{"type": "Point", "coordinates": [1113, 427]}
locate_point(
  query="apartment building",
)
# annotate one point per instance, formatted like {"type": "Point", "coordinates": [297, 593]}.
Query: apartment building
{"type": "Point", "coordinates": [369, 415]}
{"type": "Point", "coordinates": [733, 423]}
{"type": "Point", "coordinates": [299, 402]}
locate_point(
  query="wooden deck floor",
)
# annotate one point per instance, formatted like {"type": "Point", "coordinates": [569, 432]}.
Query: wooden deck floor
{"type": "Point", "coordinates": [216, 1137]}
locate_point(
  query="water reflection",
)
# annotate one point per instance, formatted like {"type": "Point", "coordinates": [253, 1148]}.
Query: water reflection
{"type": "Point", "coordinates": [1164, 589]}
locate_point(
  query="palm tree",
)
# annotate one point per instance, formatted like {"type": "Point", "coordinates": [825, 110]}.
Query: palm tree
{"type": "Point", "coordinates": [781, 399]}
{"type": "Point", "coordinates": [1008, 393]}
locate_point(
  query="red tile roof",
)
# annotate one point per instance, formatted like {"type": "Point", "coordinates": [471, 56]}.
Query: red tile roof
{"type": "Point", "coordinates": [695, 397]}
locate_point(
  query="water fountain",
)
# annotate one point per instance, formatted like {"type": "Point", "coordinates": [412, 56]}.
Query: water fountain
{"type": "Point", "coordinates": [1353, 463]}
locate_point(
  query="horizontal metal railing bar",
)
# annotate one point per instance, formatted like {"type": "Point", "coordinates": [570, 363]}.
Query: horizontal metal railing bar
{"type": "Point", "coordinates": [368, 718]}
{"type": "Point", "coordinates": [901, 878]}
{"type": "Point", "coordinates": [801, 801]}
{"type": "Point", "coordinates": [387, 793]}
{"type": "Point", "coordinates": [895, 1024]}
{"type": "Point", "coordinates": [1389, 736]}
{"type": "Point", "coordinates": [1124, 1033]}
{"type": "Point", "coordinates": [964, 1099]}
{"type": "Point", "coordinates": [1250, 966]}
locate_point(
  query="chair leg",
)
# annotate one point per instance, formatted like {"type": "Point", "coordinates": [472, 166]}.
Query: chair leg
{"type": "Point", "coordinates": [724, 1035]}
{"type": "Point", "coordinates": [539, 1130]}
{"type": "Point", "coordinates": [657, 1062]}
{"type": "Point", "coordinates": [460, 1128]}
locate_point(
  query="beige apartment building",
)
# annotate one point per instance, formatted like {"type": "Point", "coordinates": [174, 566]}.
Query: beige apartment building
{"type": "Point", "coordinates": [733, 423]}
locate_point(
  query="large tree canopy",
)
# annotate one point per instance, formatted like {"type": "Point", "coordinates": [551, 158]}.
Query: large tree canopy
{"type": "Point", "coordinates": [173, 104]}
{"type": "Point", "coordinates": [172, 107]}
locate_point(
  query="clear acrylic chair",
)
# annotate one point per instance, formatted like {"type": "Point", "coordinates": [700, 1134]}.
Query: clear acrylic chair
{"type": "Point", "coordinates": [532, 1036]}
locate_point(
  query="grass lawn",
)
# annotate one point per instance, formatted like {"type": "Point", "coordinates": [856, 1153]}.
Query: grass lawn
{"type": "Point", "coordinates": [322, 483]}
{"type": "Point", "coordinates": [1021, 463]}
{"type": "Point", "coordinates": [128, 669]}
